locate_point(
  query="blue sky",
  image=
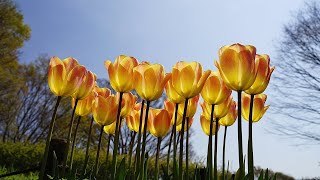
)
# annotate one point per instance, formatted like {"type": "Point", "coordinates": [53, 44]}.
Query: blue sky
{"type": "Point", "coordinates": [168, 31]}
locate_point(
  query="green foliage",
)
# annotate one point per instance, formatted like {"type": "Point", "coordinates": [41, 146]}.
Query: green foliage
{"type": "Point", "coordinates": [28, 176]}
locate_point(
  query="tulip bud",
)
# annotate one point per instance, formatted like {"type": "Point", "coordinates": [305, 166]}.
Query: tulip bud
{"type": "Point", "coordinates": [150, 80]}
{"type": "Point", "coordinates": [121, 73]}
{"type": "Point", "coordinates": [263, 75]}
{"type": "Point", "coordinates": [258, 106]}
{"type": "Point", "coordinates": [188, 79]}
{"type": "Point", "coordinates": [237, 66]}
{"type": "Point", "coordinates": [159, 122]}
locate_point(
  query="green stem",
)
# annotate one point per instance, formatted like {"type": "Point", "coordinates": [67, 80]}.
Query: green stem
{"type": "Point", "coordinates": [175, 142]}
{"type": "Point", "coordinates": [157, 157]}
{"type": "Point", "coordinates": [169, 149]}
{"type": "Point", "coordinates": [137, 159]}
{"type": "Point", "coordinates": [187, 150]}
{"type": "Point", "coordinates": [215, 174]}
{"type": "Point", "coordinates": [224, 150]}
{"type": "Point", "coordinates": [131, 147]}
{"type": "Point", "coordinates": [240, 137]}
{"type": "Point", "coordinates": [46, 151]}
{"type": "Point", "coordinates": [87, 150]}
{"type": "Point", "coordinates": [107, 155]}
{"type": "Point", "coordinates": [209, 156]}
{"type": "Point", "coordinates": [96, 169]}
{"type": "Point", "coordinates": [144, 140]}
{"type": "Point", "coordinates": [250, 146]}
{"type": "Point", "coordinates": [74, 142]}
{"type": "Point", "coordinates": [116, 141]}
{"type": "Point", "coordinates": [181, 139]}
{"type": "Point", "coordinates": [65, 157]}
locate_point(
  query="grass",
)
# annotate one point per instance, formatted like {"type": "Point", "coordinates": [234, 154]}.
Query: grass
{"type": "Point", "coordinates": [27, 176]}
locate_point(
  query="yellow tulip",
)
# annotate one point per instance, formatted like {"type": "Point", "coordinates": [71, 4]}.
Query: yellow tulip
{"type": "Point", "coordinates": [205, 125]}
{"type": "Point", "coordinates": [263, 75]}
{"type": "Point", "coordinates": [231, 116]}
{"type": "Point", "coordinates": [192, 107]}
{"type": "Point", "coordinates": [172, 93]}
{"type": "Point", "coordinates": [220, 110]}
{"type": "Point", "coordinates": [133, 119]}
{"type": "Point", "coordinates": [150, 80]}
{"type": "Point", "coordinates": [104, 110]}
{"type": "Point", "coordinates": [237, 66]}
{"type": "Point", "coordinates": [121, 73]}
{"type": "Point", "coordinates": [170, 107]}
{"type": "Point", "coordinates": [127, 104]}
{"type": "Point", "coordinates": [214, 90]}
{"type": "Point", "coordinates": [86, 86]}
{"type": "Point", "coordinates": [111, 129]}
{"type": "Point", "coordinates": [104, 92]}
{"type": "Point", "coordinates": [179, 126]}
{"type": "Point", "coordinates": [65, 77]}
{"type": "Point", "coordinates": [159, 122]}
{"type": "Point", "coordinates": [84, 106]}
{"type": "Point", "coordinates": [188, 79]}
{"type": "Point", "coordinates": [258, 106]}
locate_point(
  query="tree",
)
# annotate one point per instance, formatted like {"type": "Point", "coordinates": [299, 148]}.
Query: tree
{"type": "Point", "coordinates": [298, 75]}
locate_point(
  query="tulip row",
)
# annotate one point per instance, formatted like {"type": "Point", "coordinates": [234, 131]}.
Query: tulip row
{"type": "Point", "coordinates": [239, 69]}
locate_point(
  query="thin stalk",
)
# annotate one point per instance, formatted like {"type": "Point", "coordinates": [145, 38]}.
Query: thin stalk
{"type": "Point", "coordinates": [215, 173]}
{"type": "Point", "coordinates": [187, 150]}
{"type": "Point", "coordinates": [95, 169]}
{"type": "Point", "coordinates": [209, 156]}
{"type": "Point", "coordinates": [107, 155]}
{"type": "Point", "coordinates": [175, 142]}
{"type": "Point", "coordinates": [131, 147]}
{"type": "Point", "coordinates": [169, 149]}
{"type": "Point", "coordinates": [240, 137]}
{"type": "Point", "coordinates": [250, 146]}
{"type": "Point", "coordinates": [157, 157]}
{"type": "Point", "coordinates": [137, 159]}
{"type": "Point", "coordinates": [116, 141]}
{"type": "Point", "coordinates": [181, 139]}
{"type": "Point", "coordinates": [144, 140]}
{"type": "Point", "coordinates": [74, 142]}
{"type": "Point", "coordinates": [65, 157]}
{"type": "Point", "coordinates": [46, 151]}
{"type": "Point", "coordinates": [224, 150]}
{"type": "Point", "coordinates": [87, 150]}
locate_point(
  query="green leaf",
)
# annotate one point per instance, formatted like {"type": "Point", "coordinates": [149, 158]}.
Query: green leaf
{"type": "Point", "coordinates": [121, 171]}
{"type": "Point", "coordinates": [275, 176]}
{"type": "Point", "coordinates": [266, 176]}
{"type": "Point", "coordinates": [145, 167]}
{"type": "Point", "coordinates": [261, 175]}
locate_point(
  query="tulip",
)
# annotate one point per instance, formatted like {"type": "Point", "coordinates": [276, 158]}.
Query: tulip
{"type": "Point", "coordinates": [214, 90]}
{"type": "Point", "coordinates": [128, 102]}
{"type": "Point", "coordinates": [226, 121]}
{"type": "Point", "coordinates": [191, 109]}
{"type": "Point", "coordinates": [258, 107]}
{"type": "Point", "coordinates": [205, 125]}
{"type": "Point", "coordinates": [264, 72]}
{"type": "Point", "coordinates": [86, 87]}
{"type": "Point", "coordinates": [179, 127]}
{"type": "Point", "coordinates": [121, 73]}
{"type": "Point", "coordinates": [172, 94]}
{"type": "Point", "coordinates": [103, 92]}
{"type": "Point", "coordinates": [66, 76]}
{"type": "Point", "coordinates": [133, 118]}
{"type": "Point", "coordinates": [111, 129]}
{"type": "Point", "coordinates": [238, 70]}
{"type": "Point", "coordinates": [159, 125]}
{"type": "Point", "coordinates": [220, 110]}
{"type": "Point", "coordinates": [104, 110]}
{"type": "Point", "coordinates": [169, 106]}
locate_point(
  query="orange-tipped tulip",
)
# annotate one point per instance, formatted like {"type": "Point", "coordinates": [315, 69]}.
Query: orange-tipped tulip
{"type": "Point", "coordinates": [192, 107]}
{"type": "Point", "coordinates": [104, 92]}
{"type": "Point", "coordinates": [231, 116]}
{"type": "Point", "coordinates": [65, 77]}
{"type": "Point", "coordinates": [128, 102]}
{"type": "Point", "coordinates": [258, 106]}
{"type": "Point", "coordinates": [179, 126]}
{"type": "Point", "coordinates": [188, 78]}
{"type": "Point", "coordinates": [263, 75]}
{"type": "Point", "coordinates": [214, 90]}
{"type": "Point", "coordinates": [133, 119]}
{"type": "Point", "coordinates": [121, 73]}
{"type": "Point", "coordinates": [159, 122]}
{"type": "Point", "coordinates": [220, 110]}
{"type": "Point", "coordinates": [170, 107]}
{"type": "Point", "coordinates": [150, 80]}
{"type": "Point", "coordinates": [104, 110]}
{"type": "Point", "coordinates": [172, 93]}
{"type": "Point", "coordinates": [84, 106]}
{"type": "Point", "coordinates": [86, 86]}
{"type": "Point", "coordinates": [205, 125]}
{"type": "Point", "coordinates": [237, 66]}
{"type": "Point", "coordinates": [111, 129]}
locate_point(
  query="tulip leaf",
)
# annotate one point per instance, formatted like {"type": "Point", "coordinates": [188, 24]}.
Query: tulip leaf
{"type": "Point", "coordinates": [121, 172]}
{"type": "Point", "coordinates": [266, 176]}
{"type": "Point", "coordinates": [261, 175]}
